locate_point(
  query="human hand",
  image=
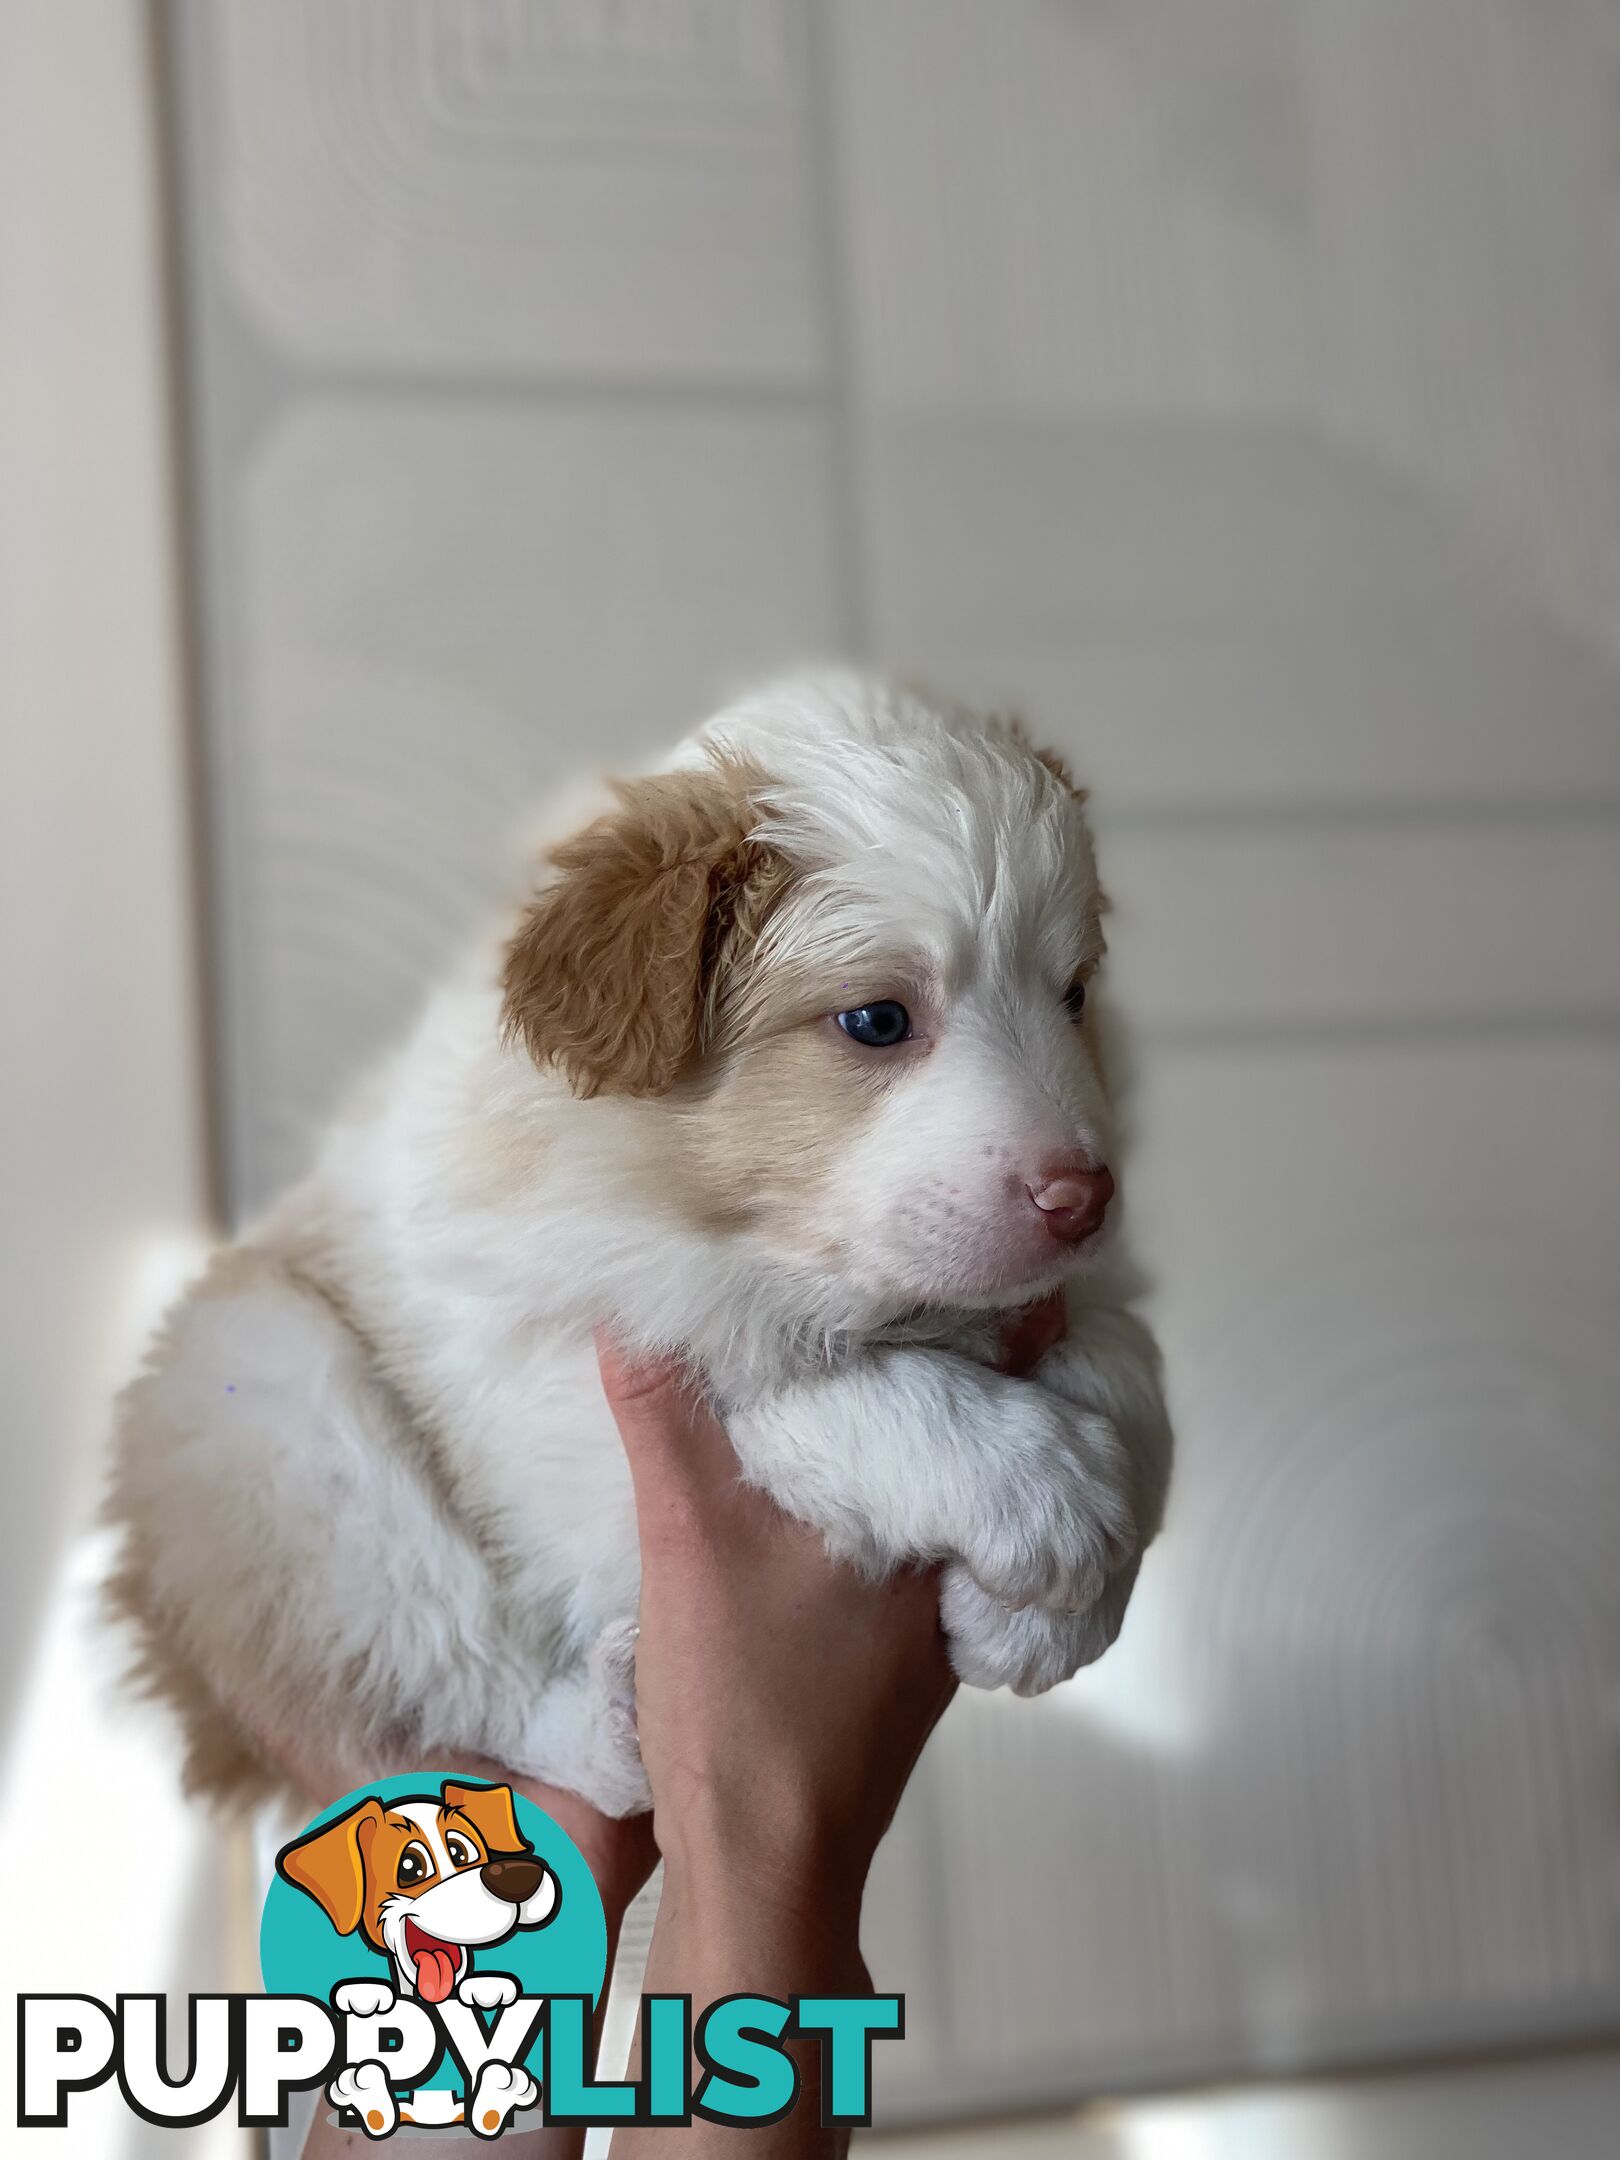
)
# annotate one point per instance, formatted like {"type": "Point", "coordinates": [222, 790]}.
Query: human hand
{"type": "Point", "coordinates": [776, 1692]}
{"type": "Point", "coordinates": [781, 1701]}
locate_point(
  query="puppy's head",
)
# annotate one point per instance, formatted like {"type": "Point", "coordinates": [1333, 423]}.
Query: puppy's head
{"type": "Point", "coordinates": [425, 1879]}
{"type": "Point", "coordinates": [850, 947]}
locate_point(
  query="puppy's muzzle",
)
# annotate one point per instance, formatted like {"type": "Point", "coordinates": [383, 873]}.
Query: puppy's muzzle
{"type": "Point", "coordinates": [513, 1877]}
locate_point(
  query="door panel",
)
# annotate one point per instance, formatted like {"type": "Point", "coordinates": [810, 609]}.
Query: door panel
{"type": "Point", "coordinates": [1234, 391]}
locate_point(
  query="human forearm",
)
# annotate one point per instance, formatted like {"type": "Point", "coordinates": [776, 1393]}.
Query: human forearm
{"type": "Point", "coordinates": [781, 1705]}
{"type": "Point", "coordinates": [773, 1929]}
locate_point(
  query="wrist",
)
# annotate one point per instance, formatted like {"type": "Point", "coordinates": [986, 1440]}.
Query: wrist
{"type": "Point", "coordinates": [782, 1877]}
{"type": "Point", "coordinates": [769, 1931]}
{"type": "Point", "coordinates": [769, 1827]}
{"type": "Point", "coordinates": [619, 1867]}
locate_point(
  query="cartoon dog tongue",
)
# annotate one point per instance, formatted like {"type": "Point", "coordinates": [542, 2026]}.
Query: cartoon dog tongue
{"type": "Point", "coordinates": [435, 1963]}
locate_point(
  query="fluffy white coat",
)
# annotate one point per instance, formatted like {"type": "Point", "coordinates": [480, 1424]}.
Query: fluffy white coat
{"type": "Point", "coordinates": [369, 1484]}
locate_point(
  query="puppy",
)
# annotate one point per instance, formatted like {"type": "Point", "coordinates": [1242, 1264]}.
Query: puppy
{"type": "Point", "coordinates": [789, 1065]}
{"type": "Point", "coordinates": [425, 1880]}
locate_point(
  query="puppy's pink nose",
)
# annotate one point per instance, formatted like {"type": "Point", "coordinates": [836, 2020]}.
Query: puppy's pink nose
{"type": "Point", "coordinates": [1073, 1199]}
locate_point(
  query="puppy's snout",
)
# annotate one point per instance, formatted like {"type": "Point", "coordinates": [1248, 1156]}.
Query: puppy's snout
{"type": "Point", "coordinates": [1073, 1199]}
{"type": "Point", "coordinates": [514, 1878]}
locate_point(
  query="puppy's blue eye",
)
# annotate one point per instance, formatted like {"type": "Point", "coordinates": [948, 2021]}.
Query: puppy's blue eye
{"type": "Point", "coordinates": [880, 1026]}
{"type": "Point", "coordinates": [1074, 1000]}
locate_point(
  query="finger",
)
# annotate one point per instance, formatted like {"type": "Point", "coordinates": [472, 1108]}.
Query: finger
{"type": "Point", "coordinates": [1029, 1334]}
{"type": "Point", "coordinates": [690, 1492]}
{"type": "Point", "coordinates": [672, 1439]}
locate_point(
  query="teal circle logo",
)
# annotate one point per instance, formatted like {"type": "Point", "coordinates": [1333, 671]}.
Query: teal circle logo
{"type": "Point", "coordinates": [439, 1889]}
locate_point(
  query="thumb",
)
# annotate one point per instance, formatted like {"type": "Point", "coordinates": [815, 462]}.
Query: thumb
{"type": "Point", "coordinates": [672, 1439]}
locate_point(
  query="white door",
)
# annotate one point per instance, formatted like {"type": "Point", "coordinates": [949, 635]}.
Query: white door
{"type": "Point", "coordinates": [1235, 387]}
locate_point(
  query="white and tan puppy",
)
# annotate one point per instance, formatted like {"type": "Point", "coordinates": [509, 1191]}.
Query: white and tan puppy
{"type": "Point", "coordinates": [789, 1067]}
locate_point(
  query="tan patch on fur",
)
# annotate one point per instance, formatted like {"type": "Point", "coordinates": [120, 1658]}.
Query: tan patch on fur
{"type": "Point", "coordinates": [498, 1150]}
{"type": "Point", "coordinates": [779, 1110]}
{"type": "Point", "coordinates": [223, 1760]}
{"type": "Point", "coordinates": [614, 975]}
{"type": "Point", "coordinates": [229, 1758]}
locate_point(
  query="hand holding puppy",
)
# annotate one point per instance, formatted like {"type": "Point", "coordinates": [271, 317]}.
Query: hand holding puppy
{"type": "Point", "coordinates": [781, 1701]}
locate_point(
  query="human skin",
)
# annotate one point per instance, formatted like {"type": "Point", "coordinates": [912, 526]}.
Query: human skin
{"type": "Point", "coordinates": [774, 1774]}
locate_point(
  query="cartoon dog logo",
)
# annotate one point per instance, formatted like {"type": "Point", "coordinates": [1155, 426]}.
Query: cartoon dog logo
{"type": "Point", "coordinates": [427, 1880]}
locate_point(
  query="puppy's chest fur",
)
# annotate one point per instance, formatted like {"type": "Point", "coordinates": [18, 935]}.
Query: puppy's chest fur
{"type": "Point", "coordinates": [492, 1361]}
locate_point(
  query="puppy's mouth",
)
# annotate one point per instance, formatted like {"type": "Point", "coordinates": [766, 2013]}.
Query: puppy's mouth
{"type": "Point", "coordinates": [438, 1964]}
{"type": "Point", "coordinates": [1004, 1288]}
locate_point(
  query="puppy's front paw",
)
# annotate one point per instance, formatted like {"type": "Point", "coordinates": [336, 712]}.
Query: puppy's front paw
{"type": "Point", "coordinates": [1030, 1649]}
{"type": "Point", "coordinates": [1060, 1520]}
{"type": "Point", "coordinates": [487, 1991]}
{"type": "Point", "coordinates": [363, 1998]}
{"type": "Point", "coordinates": [364, 2087]}
{"type": "Point", "coordinates": [501, 2090]}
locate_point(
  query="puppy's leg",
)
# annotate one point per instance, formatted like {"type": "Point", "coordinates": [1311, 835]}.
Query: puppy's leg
{"type": "Point", "coordinates": [581, 1733]}
{"type": "Point", "coordinates": [906, 1454]}
{"type": "Point", "coordinates": [1109, 1365]}
{"type": "Point", "coordinates": [294, 1579]}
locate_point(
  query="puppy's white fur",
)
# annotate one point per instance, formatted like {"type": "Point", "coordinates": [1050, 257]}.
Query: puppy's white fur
{"type": "Point", "coordinates": [369, 1484]}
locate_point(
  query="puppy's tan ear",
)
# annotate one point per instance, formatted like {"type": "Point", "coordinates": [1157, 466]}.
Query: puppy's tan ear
{"type": "Point", "coordinates": [608, 973]}
{"type": "Point", "coordinates": [329, 1864]}
{"type": "Point", "coordinates": [490, 1811]}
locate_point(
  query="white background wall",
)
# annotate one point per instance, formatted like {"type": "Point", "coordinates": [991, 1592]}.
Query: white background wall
{"type": "Point", "coordinates": [100, 1084]}
{"type": "Point", "coordinates": [101, 1119]}
{"type": "Point", "coordinates": [1235, 387]}
{"type": "Point", "coordinates": [1231, 384]}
